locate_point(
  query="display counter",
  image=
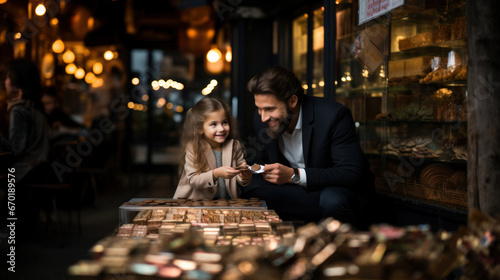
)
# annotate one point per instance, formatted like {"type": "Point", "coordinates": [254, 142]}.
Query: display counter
{"type": "Point", "coordinates": [131, 208]}
{"type": "Point", "coordinates": [225, 243]}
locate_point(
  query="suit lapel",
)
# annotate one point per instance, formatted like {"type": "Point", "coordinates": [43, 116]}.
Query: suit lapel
{"type": "Point", "coordinates": [307, 127]}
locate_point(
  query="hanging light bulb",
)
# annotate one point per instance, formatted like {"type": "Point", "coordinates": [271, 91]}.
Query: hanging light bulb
{"type": "Point", "coordinates": [40, 10]}
{"type": "Point", "coordinates": [214, 54]}
{"type": "Point", "coordinates": [58, 46]}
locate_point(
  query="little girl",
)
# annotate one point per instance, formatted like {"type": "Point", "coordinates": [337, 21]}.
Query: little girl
{"type": "Point", "coordinates": [212, 161]}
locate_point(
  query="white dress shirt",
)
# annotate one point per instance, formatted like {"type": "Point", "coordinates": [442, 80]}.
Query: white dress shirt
{"type": "Point", "coordinates": [291, 147]}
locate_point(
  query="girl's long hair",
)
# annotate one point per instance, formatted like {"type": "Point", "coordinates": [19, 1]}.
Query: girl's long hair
{"type": "Point", "coordinates": [192, 133]}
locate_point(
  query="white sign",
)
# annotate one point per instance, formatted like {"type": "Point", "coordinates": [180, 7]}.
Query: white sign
{"type": "Point", "coordinates": [370, 9]}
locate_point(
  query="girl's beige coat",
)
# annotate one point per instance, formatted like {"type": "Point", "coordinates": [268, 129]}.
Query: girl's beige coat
{"type": "Point", "coordinates": [193, 184]}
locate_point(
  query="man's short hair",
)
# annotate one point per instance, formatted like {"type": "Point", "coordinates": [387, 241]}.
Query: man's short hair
{"type": "Point", "coordinates": [278, 81]}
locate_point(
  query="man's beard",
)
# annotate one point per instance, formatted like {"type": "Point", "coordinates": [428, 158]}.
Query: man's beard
{"type": "Point", "coordinates": [274, 134]}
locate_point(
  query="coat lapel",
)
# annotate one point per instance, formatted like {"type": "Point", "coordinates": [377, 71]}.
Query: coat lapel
{"type": "Point", "coordinates": [209, 155]}
{"type": "Point", "coordinates": [227, 152]}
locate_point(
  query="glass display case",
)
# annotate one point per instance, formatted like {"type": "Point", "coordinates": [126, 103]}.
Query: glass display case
{"type": "Point", "coordinates": [403, 75]}
{"type": "Point", "coordinates": [304, 50]}
{"type": "Point", "coordinates": [300, 48]}
{"type": "Point", "coordinates": [130, 209]}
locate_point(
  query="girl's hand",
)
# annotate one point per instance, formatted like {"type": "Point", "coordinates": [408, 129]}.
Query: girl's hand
{"type": "Point", "coordinates": [225, 172]}
{"type": "Point", "coordinates": [245, 173]}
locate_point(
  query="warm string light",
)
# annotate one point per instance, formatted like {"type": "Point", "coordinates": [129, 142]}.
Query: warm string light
{"type": "Point", "coordinates": [58, 46]}
{"type": "Point", "coordinates": [80, 73]}
{"type": "Point", "coordinates": [209, 88]}
{"type": "Point", "coordinates": [97, 68]}
{"type": "Point", "coordinates": [68, 56]}
{"type": "Point", "coordinates": [70, 69]}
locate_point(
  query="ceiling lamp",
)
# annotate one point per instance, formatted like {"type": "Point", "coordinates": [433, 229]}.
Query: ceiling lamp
{"type": "Point", "coordinates": [68, 56]}
{"type": "Point", "coordinates": [214, 54]}
{"type": "Point", "coordinates": [3, 2]}
{"type": "Point", "coordinates": [40, 10]}
{"type": "Point", "coordinates": [58, 46]}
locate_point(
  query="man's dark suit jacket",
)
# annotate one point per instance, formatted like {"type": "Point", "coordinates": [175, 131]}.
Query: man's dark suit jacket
{"type": "Point", "coordinates": [332, 153]}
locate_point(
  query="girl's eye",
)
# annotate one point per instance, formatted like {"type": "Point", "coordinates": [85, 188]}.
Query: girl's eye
{"type": "Point", "coordinates": [225, 122]}
{"type": "Point", "coordinates": [212, 124]}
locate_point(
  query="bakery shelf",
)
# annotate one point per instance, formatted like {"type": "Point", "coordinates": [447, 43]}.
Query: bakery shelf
{"type": "Point", "coordinates": [426, 160]}
{"type": "Point", "coordinates": [431, 49]}
{"type": "Point", "coordinates": [419, 122]}
{"type": "Point", "coordinates": [417, 86]}
{"type": "Point", "coordinates": [410, 122]}
{"type": "Point", "coordinates": [454, 199]}
{"type": "Point", "coordinates": [360, 90]}
{"type": "Point", "coordinates": [447, 83]}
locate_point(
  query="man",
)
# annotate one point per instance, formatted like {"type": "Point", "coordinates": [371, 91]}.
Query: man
{"type": "Point", "coordinates": [314, 166]}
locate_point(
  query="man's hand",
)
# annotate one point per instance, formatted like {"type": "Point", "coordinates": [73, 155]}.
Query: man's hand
{"type": "Point", "coordinates": [277, 173]}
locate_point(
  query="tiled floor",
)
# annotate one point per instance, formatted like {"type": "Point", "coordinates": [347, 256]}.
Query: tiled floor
{"type": "Point", "coordinates": [41, 257]}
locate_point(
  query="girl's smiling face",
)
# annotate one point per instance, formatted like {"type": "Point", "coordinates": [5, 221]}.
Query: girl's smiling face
{"type": "Point", "coordinates": [216, 128]}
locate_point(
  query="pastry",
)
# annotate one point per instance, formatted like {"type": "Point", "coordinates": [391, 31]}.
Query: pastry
{"type": "Point", "coordinates": [255, 167]}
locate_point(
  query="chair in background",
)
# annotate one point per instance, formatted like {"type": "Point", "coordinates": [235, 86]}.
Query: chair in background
{"type": "Point", "coordinates": [97, 165]}
{"type": "Point", "coordinates": [57, 187]}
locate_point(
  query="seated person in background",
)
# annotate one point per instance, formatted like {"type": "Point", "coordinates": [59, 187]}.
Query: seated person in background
{"type": "Point", "coordinates": [28, 139]}
{"type": "Point", "coordinates": [62, 127]}
{"type": "Point", "coordinates": [211, 154]}
{"type": "Point", "coordinates": [314, 166]}
{"type": "Point", "coordinates": [28, 130]}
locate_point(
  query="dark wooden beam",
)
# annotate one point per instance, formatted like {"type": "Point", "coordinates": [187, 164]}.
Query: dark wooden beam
{"type": "Point", "coordinates": [483, 87]}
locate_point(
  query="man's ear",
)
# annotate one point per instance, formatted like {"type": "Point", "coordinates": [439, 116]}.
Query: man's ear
{"type": "Point", "coordinates": [293, 101]}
